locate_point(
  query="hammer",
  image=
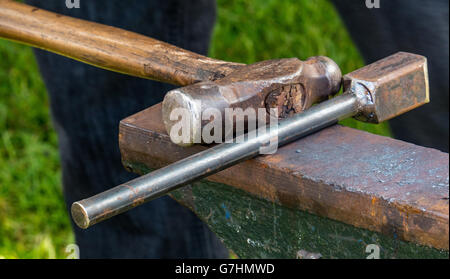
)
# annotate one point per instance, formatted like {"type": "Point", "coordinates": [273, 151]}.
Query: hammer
{"type": "Point", "coordinates": [290, 85]}
{"type": "Point", "coordinates": [374, 93]}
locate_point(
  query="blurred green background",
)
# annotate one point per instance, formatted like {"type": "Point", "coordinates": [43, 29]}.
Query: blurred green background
{"type": "Point", "coordinates": [33, 219]}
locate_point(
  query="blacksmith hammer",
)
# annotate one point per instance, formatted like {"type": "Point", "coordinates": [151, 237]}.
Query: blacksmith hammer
{"type": "Point", "coordinates": [290, 85]}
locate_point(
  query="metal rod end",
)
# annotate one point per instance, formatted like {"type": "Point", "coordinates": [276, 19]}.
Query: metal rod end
{"type": "Point", "coordinates": [80, 216]}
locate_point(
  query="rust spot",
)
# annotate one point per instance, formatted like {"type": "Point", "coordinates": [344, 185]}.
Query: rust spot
{"type": "Point", "coordinates": [287, 99]}
{"type": "Point", "coordinates": [138, 202]}
{"type": "Point", "coordinates": [132, 189]}
{"type": "Point", "coordinates": [373, 210]}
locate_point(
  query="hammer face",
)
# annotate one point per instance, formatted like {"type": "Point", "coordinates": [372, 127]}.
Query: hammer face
{"type": "Point", "coordinates": [394, 85]}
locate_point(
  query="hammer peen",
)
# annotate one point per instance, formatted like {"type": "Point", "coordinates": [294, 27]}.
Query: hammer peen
{"type": "Point", "coordinates": [374, 93]}
{"type": "Point", "coordinates": [290, 85]}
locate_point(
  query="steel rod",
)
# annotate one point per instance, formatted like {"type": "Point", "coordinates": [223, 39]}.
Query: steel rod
{"type": "Point", "coordinates": [157, 183]}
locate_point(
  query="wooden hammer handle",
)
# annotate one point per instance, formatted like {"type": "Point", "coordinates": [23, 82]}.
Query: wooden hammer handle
{"type": "Point", "coordinates": [107, 47]}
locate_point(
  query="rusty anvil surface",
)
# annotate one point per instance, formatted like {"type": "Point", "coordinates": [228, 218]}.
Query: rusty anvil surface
{"type": "Point", "coordinates": [364, 180]}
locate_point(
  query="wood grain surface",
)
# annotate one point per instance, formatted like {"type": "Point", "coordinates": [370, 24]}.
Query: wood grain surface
{"type": "Point", "coordinates": [107, 47]}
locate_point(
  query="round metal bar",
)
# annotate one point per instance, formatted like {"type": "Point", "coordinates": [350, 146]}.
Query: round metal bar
{"type": "Point", "coordinates": [157, 183]}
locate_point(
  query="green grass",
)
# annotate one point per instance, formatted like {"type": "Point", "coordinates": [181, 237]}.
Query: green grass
{"type": "Point", "coordinates": [33, 219]}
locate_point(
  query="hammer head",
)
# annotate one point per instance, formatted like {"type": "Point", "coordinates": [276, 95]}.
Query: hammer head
{"type": "Point", "coordinates": [290, 85]}
{"type": "Point", "coordinates": [391, 86]}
